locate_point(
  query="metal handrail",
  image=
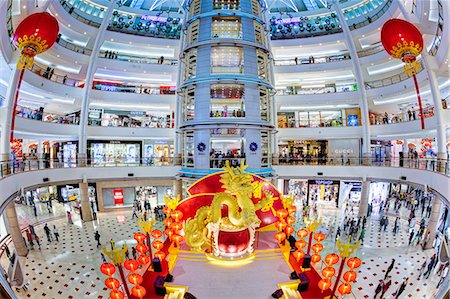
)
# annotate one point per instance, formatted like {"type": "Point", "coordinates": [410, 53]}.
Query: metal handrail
{"type": "Point", "coordinates": [391, 80]}
{"type": "Point", "coordinates": [40, 71]}
{"type": "Point", "coordinates": [439, 30]}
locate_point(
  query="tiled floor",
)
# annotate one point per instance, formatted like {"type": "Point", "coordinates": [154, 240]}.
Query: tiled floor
{"type": "Point", "coordinates": [69, 268]}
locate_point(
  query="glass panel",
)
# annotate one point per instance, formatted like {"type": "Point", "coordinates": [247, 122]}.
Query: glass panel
{"type": "Point", "coordinates": [227, 100]}
{"type": "Point", "coordinates": [226, 27]}
{"type": "Point", "coordinates": [227, 60]}
{"type": "Point", "coordinates": [303, 119]}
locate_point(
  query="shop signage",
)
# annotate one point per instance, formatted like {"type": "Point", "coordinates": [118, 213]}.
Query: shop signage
{"type": "Point", "coordinates": [118, 196]}
{"type": "Point", "coordinates": [352, 120]}
{"type": "Point", "coordinates": [343, 151]}
{"type": "Point", "coordinates": [324, 182]}
{"type": "Point", "coordinates": [148, 18]}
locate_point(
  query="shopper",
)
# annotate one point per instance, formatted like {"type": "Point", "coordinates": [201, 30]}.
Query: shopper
{"type": "Point", "coordinates": [430, 266]}
{"type": "Point", "coordinates": [444, 275]}
{"type": "Point", "coordinates": [402, 288]}
{"type": "Point", "coordinates": [133, 209]}
{"type": "Point", "coordinates": [47, 233]}
{"type": "Point", "coordinates": [56, 233]}
{"type": "Point", "coordinates": [422, 268]}
{"type": "Point", "coordinates": [97, 238]}
{"type": "Point", "coordinates": [111, 242]}
{"type": "Point", "coordinates": [386, 286]}
{"type": "Point", "coordinates": [389, 269]}
{"type": "Point", "coordinates": [103, 257]}
{"type": "Point", "coordinates": [36, 238]}
{"type": "Point", "coordinates": [379, 288]}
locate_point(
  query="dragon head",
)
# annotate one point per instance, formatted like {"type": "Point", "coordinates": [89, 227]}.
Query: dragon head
{"type": "Point", "coordinates": [237, 180]}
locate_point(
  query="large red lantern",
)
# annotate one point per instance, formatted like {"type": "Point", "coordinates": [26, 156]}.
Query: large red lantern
{"type": "Point", "coordinates": [160, 255]}
{"type": "Point", "coordinates": [156, 233]}
{"type": "Point", "coordinates": [302, 233]}
{"type": "Point", "coordinates": [350, 276]}
{"type": "Point", "coordinates": [108, 269]}
{"type": "Point", "coordinates": [141, 248]}
{"type": "Point", "coordinates": [158, 245]}
{"type": "Point", "coordinates": [280, 237]}
{"type": "Point", "coordinates": [328, 272]}
{"type": "Point", "coordinates": [331, 259]}
{"type": "Point", "coordinates": [135, 278]}
{"type": "Point", "coordinates": [402, 40]}
{"type": "Point", "coordinates": [139, 237]}
{"type": "Point", "coordinates": [144, 259]}
{"type": "Point", "coordinates": [35, 35]}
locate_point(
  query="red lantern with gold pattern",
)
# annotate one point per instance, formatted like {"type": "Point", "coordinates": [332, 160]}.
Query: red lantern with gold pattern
{"type": "Point", "coordinates": [138, 291]}
{"type": "Point", "coordinates": [139, 237]}
{"type": "Point", "coordinates": [315, 258]}
{"type": "Point", "coordinates": [324, 284]}
{"type": "Point", "coordinates": [353, 262]}
{"type": "Point", "coordinates": [158, 245]}
{"type": "Point", "coordinates": [169, 233]}
{"type": "Point", "coordinates": [282, 213]}
{"type": "Point", "coordinates": [345, 288]}
{"type": "Point", "coordinates": [176, 226]}
{"type": "Point", "coordinates": [289, 230]}
{"type": "Point", "coordinates": [160, 254]}
{"type": "Point", "coordinates": [108, 269]}
{"type": "Point", "coordinates": [350, 276]}
{"type": "Point", "coordinates": [168, 222]}
{"type": "Point", "coordinates": [300, 244]}
{"type": "Point", "coordinates": [280, 237]}
{"type": "Point", "coordinates": [317, 247]}
{"type": "Point", "coordinates": [298, 254]}
{"type": "Point", "coordinates": [176, 215]}
{"type": "Point", "coordinates": [292, 210]}
{"type": "Point", "coordinates": [328, 272]}
{"type": "Point", "coordinates": [402, 40]}
{"type": "Point", "coordinates": [112, 283]}
{"type": "Point", "coordinates": [331, 259]}
{"type": "Point", "coordinates": [135, 278]}
{"type": "Point", "coordinates": [177, 239]}
{"type": "Point", "coordinates": [144, 259]}
{"type": "Point", "coordinates": [302, 233]}
{"type": "Point", "coordinates": [280, 225]}
{"type": "Point", "coordinates": [156, 233]}
{"type": "Point", "coordinates": [116, 294]}
{"type": "Point", "coordinates": [35, 35]}
{"type": "Point", "coordinates": [131, 265]}
{"type": "Point", "coordinates": [290, 220]}
{"type": "Point", "coordinates": [141, 248]}
{"type": "Point", "coordinates": [319, 237]}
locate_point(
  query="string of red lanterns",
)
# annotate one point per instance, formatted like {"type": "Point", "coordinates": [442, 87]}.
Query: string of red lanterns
{"type": "Point", "coordinates": [317, 247]}
{"type": "Point", "coordinates": [300, 244]}
{"type": "Point", "coordinates": [157, 244]}
{"type": "Point", "coordinates": [328, 272]}
{"type": "Point", "coordinates": [111, 283]}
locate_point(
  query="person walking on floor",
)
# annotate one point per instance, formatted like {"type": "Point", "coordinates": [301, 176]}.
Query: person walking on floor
{"type": "Point", "coordinates": [111, 241]}
{"type": "Point", "coordinates": [103, 257]}
{"type": "Point", "coordinates": [430, 267]}
{"type": "Point", "coordinates": [444, 275]}
{"type": "Point", "coordinates": [386, 286]}
{"type": "Point", "coordinates": [134, 213]}
{"type": "Point", "coordinates": [36, 238]}
{"type": "Point", "coordinates": [56, 233]}
{"type": "Point", "coordinates": [361, 236]}
{"type": "Point", "coordinates": [402, 288]}
{"type": "Point", "coordinates": [97, 238]}
{"type": "Point", "coordinates": [379, 288]}
{"type": "Point", "coordinates": [422, 268]}
{"type": "Point", "coordinates": [389, 269]}
{"type": "Point", "coordinates": [133, 252]}
{"type": "Point", "coordinates": [48, 233]}
{"type": "Point", "coordinates": [30, 238]}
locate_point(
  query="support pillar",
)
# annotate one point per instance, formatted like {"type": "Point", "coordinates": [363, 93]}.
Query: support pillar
{"type": "Point", "coordinates": [84, 201]}
{"type": "Point", "coordinates": [13, 229]}
{"type": "Point", "coordinates": [364, 202]}
{"type": "Point", "coordinates": [178, 188]}
{"type": "Point", "coordinates": [434, 219]}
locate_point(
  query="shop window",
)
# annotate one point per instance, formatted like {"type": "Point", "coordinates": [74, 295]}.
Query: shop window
{"type": "Point", "coordinates": [188, 149]}
{"type": "Point", "coordinates": [226, 27]}
{"type": "Point", "coordinates": [192, 32]}
{"type": "Point", "coordinates": [226, 148]}
{"type": "Point", "coordinates": [227, 60]}
{"type": "Point", "coordinates": [226, 101]}
{"type": "Point", "coordinates": [265, 146]}
{"type": "Point", "coordinates": [227, 132]}
{"type": "Point", "coordinates": [114, 153]}
{"type": "Point", "coordinates": [226, 4]}
{"type": "Point", "coordinates": [195, 8]}
{"type": "Point", "coordinates": [264, 97]}
{"type": "Point", "coordinates": [256, 8]}
{"type": "Point", "coordinates": [259, 33]}
{"type": "Point", "coordinates": [263, 64]}
{"type": "Point", "coordinates": [190, 64]}
{"type": "Point", "coordinates": [286, 119]}
{"type": "Point", "coordinates": [189, 104]}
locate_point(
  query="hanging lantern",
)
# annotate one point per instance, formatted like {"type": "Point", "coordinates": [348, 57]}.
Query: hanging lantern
{"type": "Point", "coordinates": [345, 288]}
{"type": "Point", "coordinates": [290, 220]}
{"type": "Point", "coordinates": [177, 239]}
{"type": "Point", "coordinates": [324, 284]}
{"type": "Point", "coordinates": [135, 278]}
{"type": "Point", "coordinates": [156, 233]}
{"type": "Point", "coordinates": [112, 283]}
{"type": "Point", "coordinates": [116, 294]}
{"type": "Point", "coordinates": [160, 254]}
{"type": "Point", "coordinates": [315, 258]}
{"type": "Point", "coordinates": [138, 291]}
{"type": "Point", "coordinates": [131, 265]}
{"type": "Point", "coordinates": [176, 226]}
{"type": "Point", "coordinates": [158, 245]}
{"type": "Point", "coordinates": [108, 269]}
{"type": "Point", "coordinates": [331, 259]}
{"type": "Point", "coordinates": [282, 213]}
{"type": "Point", "coordinates": [141, 248]}
{"type": "Point", "coordinates": [166, 210]}
{"type": "Point", "coordinates": [350, 276]}
{"type": "Point", "coordinates": [300, 244]}
{"type": "Point", "coordinates": [328, 272]}
{"type": "Point", "coordinates": [280, 225]}
{"type": "Point", "coordinates": [35, 35]}
{"type": "Point", "coordinates": [289, 230]}
{"type": "Point", "coordinates": [319, 237]}
{"type": "Point", "coordinates": [280, 237]}
{"type": "Point", "coordinates": [298, 254]}
{"type": "Point", "coordinates": [143, 259]}
{"type": "Point", "coordinates": [177, 215]}
{"type": "Point", "coordinates": [317, 247]}
{"type": "Point", "coordinates": [139, 237]}
{"type": "Point", "coordinates": [353, 262]}
{"type": "Point", "coordinates": [168, 222]}
{"type": "Point", "coordinates": [292, 210]}
{"type": "Point", "coordinates": [169, 233]}
{"type": "Point", "coordinates": [302, 233]}
{"type": "Point", "coordinates": [402, 40]}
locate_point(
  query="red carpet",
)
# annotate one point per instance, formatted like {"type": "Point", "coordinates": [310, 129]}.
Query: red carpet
{"type": "Point", "coordinates": [313, 291]}
{"type": "Point", "coordinates": [150, 276]}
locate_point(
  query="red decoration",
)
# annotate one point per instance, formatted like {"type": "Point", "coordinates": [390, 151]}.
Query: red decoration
{"type": "Point", "coordinates": [177, 215]}
{"type": "Point", "coordinates": [289, 230]}
{"type": "Point", "coordinates": [324, 284]}
{"type": "Point", "coordinates": [139, 237]}
{"type": "Point", "coordinates": [315, 258]}
{"type": "Point", "coordinates": [300, 244]}
{"type": "Point", "coordinates": [177, 239]}
{"type": "Point", "coordinates": [166, 210]}
{"type": "Point", "coordinates": [160, 254]}
{"type": "Point", "coordinates": [156, 233]}
{"type": "Point", "coordinates": [112, 283]}
{"type": "Point", "coordinates": [131, 265]}
{"type": "Point", "coordinates": [144, 259]}
{"type": "Point", "coordinates": [353, 262]}
{"type": "Point", "coordinates": [345, 288]}
{"type": "Point", "coordinates": [176, 226]}
{"type": "Point", "coordinates": [317, 247]}
{"type": "Point", "coordinates": [298, 254]}
{"type": "Point", "coordinates": [169, 233]}
{"type": "Point", "coordinates": [282, 213]}
{"type": "Point", "coordinates": [118, 196]}
{"type": "Point", "coordinates": [302, 233]}
{"type": "Point", "coordinates": [168, 222]}
{"type": "Point", "coordinates": [292, 210]}
{"type": "Point", "coordinates": [158, 245]}
{"type": "Point", "coordinates": [233, 241]}
{"type": "Point", "coordinates": [319, 237]}
{"type": "Point", "coordinates": [331, 259]}
{"type": "Point", "coordinates": [280, 237]}
{"type": "Point", "coordinates": [290, 220]}
{"type": "Point", "coordinates": [116, 294]}
{"type": "Point", "coordinates": [135, 278]}
{"type": "Point", "coordinates": [108, 269]}
{"type": "Point", "coordinates": [328, 272]}
{"type": "Point", "coordinates": [141, 248]}
{"type": "Point", "coordinates": [280, 225]}
{"type": "Point", "coordinates": [138, 291]}
{"type": "Point", "coordinates": [350, 276]}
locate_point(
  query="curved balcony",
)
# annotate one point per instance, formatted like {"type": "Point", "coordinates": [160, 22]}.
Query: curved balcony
{"type": "Point", "coordinates": [310, 26]}
{"type": "Point", "coordinates": [66, 80]}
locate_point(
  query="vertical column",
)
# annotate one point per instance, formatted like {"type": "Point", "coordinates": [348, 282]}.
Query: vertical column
{"type": "Point", "coordinates": [178, 188]}
{"type": "Point", "coordinates": [14, 230]}
{"type": "Point", "coordinates": [434, 218]}
{"type": "Point", "coordinates": [364, 202]}
{"type": "Point", "coordinates": [363, 101]}
{"type": "Point", "coordinates": [92, 67]}
{"type": "Point", "coordinates": [84, 201]}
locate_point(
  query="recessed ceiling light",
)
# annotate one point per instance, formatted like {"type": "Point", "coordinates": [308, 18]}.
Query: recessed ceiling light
{"type": "Point", "coordinates": [363, 35]}
{"type": "Point", "coordinates": [85, 32]}
{"type": "Point", "coordinates": [76, 62]}
{"type": "Point", "coordinates": [371, 64]}
{"type": "Point", "coordinates": [57, 55]}
{"type": "Point", "coordinates": [68, 25]}
{"type": "Point", "coordinates": [24, 7]}
{"type": "Point", "coordinates": [130, 43]}
{"type": "Point", "coordinates": [112, 39]}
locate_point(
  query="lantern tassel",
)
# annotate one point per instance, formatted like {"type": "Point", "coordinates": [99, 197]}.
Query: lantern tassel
{"type": "Point", "coordinates": [422, 118]}
{"type": "Point", "coordinates": [25, 62]}
{"type": "Point", "coordinates": [411, 67]}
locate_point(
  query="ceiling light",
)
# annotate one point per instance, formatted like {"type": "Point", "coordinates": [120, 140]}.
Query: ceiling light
{"type": "Point", "coordinates": [112, 39]}
{"type": "Point", "coordinates": [24, 7]}
{"type": "Point", "coordinates": [85, 32]}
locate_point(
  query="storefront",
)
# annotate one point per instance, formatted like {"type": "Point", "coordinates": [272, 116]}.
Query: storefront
{"type": "Point", "coordinates": [102, 152]}
{"type": "Point", "coordinates": [70, 153]}
{"type": "Point", "coordinates": [297, 188]}
{"type": "Point", "coordinates": [344, 150]}
{"type": "Point", "coordinates": [158, 151]}
{"type": "Point", "coordinates": [350, 192]}
{"type": "Point", "coordinates": [307, 150]}
{"type": "Point", "coordinates": [323, 192]}
{"type": "Point", "coordinates": [134, 119]}
{"type": "Point", "coordinates": [379, 192]}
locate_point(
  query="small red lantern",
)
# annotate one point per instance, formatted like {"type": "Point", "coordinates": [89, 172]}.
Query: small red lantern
{"type": "Point", "coordinates": [35, 35]}
{"type": "Point", "coordinates": [282, 213]}
{"type": "Point", "coordinates": [280, 225]}
{"type": "Point", "coordinates": [350, 276]}
{"type": "Point", "coordinates": [156, 233]}
{"type": "Point", "coordinates": [331, 259]}
{"type": "Point", "coordinates": [168, 222]}
{"type": "Point", "coordinates": [135, 278]}
{"type": "Point", "coordinates": [290, 220]}
{"type": "Point", "coordinates": [158, 245]}
{"type": "Point", "coordinates": [143, 259]}
{"type": "Point", "coordinates": [292, 210]}
{"type": "Point", "coordinates": [353, 262]}
{"type": "Point", "coordinates": [141, 248]}
{"type": "Point", "coordinates": [169, 233]}
{"type": "Point", "coordinates": [112, 283]}
{"type": "Point", "coordinates": [116, 294]}
{"type": "Point", "coordinates": [139, 237]}
{"type": "Point", "coordinates": [328, 272]}
{"type": "Point", "coordinates": [298, 254]}
{"type": "Point", "coordinates": [315, 258]}
{"type": "Point", "coordinates": [131, 265]}
{"type": "Point", "coordinates": [319, 237]}
{"type": "Point", "coordinates": [302, 233]}
{"type": "Point", "coordinates": [317, 247]}
{"type": "Point", "coordinates": [166, 210]}
{"type": "Point", "coordinates": [324, 284]}
{"type": "Point", "coordinates": [289, 230]}
{"type": "Point", "coordinates": [108, 269]}
{"type": "Point", "coordinates": [176, 226]}
{"type": "Point", "coordinates": [138, 291]}
{"type": "Point", "coordinates": [177, 239]}
{"type": "Point", "coordinates": [300, 244]}
{"type": "Point", "coordinates": [177, 215]}
{"type": "Point", "coordinates": [345, 288]}
{"type": "Point", "coordinates": [160, 254]}
{"type": "Point", "coordinates": [280, 237]}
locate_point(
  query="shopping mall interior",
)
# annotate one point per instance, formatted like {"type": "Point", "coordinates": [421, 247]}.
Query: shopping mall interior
{"type": "Point", "coordinates": [220, 149]}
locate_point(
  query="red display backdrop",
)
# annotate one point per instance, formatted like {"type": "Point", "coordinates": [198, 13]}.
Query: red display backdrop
{"type": "Point", "coordinates": [118, 196]}
{"type": "Point", "coordinates": [202, 193]}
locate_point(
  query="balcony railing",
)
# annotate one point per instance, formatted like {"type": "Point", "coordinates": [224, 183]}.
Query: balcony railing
{"type": "Point", "coordinates": [138, 59]}
{"type": "Point", "coordinates": [47, 74]}
{"type": "Point", "coordinates": [34, 114]}
{"type": "Point", "coordinates": [390, 80]}
{"type": "Point", "coordinates": [11, 167]}
{"type": "Point", "coordinates": [439, 30]}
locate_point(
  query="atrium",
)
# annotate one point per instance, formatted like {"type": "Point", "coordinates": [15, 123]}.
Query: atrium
{"type": "Point", "coordinates": [219, 149]}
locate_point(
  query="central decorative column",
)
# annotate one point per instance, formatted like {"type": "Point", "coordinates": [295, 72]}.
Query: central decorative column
{"type": "Point", "coordinates": [226, 90]}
